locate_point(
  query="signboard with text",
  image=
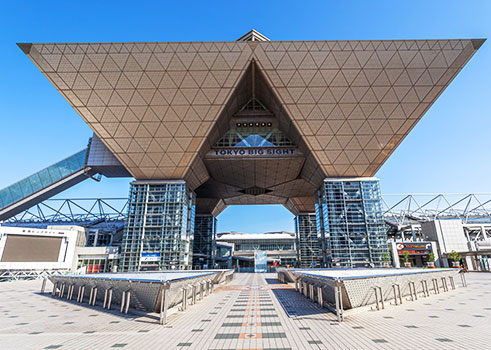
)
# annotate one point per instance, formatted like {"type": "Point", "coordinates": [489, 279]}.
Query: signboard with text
{"type": "Point", "coordinates": [252, 152]}
{"type": "Point", "coordinates": [150, 257]}
{"type": "Point", "coordinates": [414, 248]}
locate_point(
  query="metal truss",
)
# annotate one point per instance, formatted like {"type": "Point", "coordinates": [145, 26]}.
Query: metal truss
{"type": "Point", "coordinates": [404, 210]}
{"type": "Point", "coordinates": [400, 210]}
{"type": "Point", "coordinates": [18, 275]}
{"type": "Point", "coordinates": [80, 211]}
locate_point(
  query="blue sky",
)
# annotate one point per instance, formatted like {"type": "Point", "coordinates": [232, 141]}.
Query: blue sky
{"type": "Point", "coordinates": [447, 151]}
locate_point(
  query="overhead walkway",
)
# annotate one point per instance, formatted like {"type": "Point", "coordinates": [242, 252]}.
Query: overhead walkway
{"type": "Point", "coordinates": [44, 184]}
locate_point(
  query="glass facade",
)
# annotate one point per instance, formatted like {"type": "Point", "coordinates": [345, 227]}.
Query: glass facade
{"type": "Point", "coordinates": [262, 244]}
{"type": "Point", "coordinates": [42, 179]}
{"type": "Point", "coordinates": [307, 240]}
{"type": "Point", "coordinates": [204, 249]}
{"type": "Point", "coordinates": [160, 227]}
{"type": "Point", "coordinates": [351, 223]}
{"type": "Point", "coordinates": [254, 135]}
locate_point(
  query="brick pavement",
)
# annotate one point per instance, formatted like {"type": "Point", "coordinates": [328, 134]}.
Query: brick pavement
{"type": "Point", "coordinates": [255, 311]}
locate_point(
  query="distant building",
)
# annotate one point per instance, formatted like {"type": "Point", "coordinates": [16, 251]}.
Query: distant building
{"type": "Point", "coordinates": [280, 247]}
{"type": "Point", "coordinates": [27, 252]}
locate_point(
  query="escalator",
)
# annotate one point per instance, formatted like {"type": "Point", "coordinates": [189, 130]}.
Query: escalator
{"type": "Point", "coordinates": [44, 184]}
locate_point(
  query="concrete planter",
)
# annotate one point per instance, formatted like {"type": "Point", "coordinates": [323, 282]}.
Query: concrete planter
{"type": "Point", "coordinates": [407, 264]}
{"type": "Point", "coordinates": [431, 264]}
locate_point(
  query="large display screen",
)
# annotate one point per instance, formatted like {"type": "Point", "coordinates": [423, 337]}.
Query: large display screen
{"type": "Point", "coordinates": [24, 248]}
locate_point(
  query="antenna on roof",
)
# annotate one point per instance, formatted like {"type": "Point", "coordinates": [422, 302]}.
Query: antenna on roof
{"type": "Point", "coordinates": [253, 36]}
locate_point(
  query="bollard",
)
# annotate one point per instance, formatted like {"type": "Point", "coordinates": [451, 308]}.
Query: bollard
{"type": "Point", "coordinates": [311, 291]}
{"type": "Point", "coordinates": [62, 290]}
{"type": "Point", "coordinates": [53, 293]}
{"type": "Point", "coordinates": [43, 285]}
{"type": "Point", "coordinates": [90, 296]}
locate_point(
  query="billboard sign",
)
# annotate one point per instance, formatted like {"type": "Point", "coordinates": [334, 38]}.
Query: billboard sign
{"type": "Point", "coordinates": [260, 262]}
{"type": "Point", "coordinates": [414, 248]}
{"type": "Point", "coordinates": [150, 257]}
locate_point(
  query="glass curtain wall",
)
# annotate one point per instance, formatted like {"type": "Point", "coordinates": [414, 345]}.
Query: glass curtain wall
{"type": "Point", "coordinates": [307, 240]}
{"type": "Point", "coordinates": [204, 249]}
{"type": "Point", "coordinates": [160, 227]}
{"type": "Point", "coordinates": [351, 219]}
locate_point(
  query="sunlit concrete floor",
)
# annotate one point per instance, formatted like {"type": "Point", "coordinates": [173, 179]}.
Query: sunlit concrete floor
{"type": "Point", "coordinates": [255, 311]}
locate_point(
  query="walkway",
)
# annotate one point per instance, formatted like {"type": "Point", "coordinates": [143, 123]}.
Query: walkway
{"type": "Point", "coordinates": [256, 311]}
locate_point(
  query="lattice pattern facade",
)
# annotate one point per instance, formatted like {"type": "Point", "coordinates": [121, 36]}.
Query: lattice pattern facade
{"type": "Point", "coordinates": [159, 107]}
{"type": "Point", "coordinates": [350, 217]}
{"type": "Point", "coordinates": [159, 228]}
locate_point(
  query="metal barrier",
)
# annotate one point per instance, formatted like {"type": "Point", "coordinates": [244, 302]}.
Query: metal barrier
{"type": "Point", "coordinates": [412, 291]}
{"type": "Point", "coordinates": [338, 296]}
{"type": "Point", "coordinates": [462, 278]}
{"type": "Point", "coordinates": [164, 304]}
{"type": "Point", "coordinates": [436, 289]}
{"type": "Point", "coordinates": [444, 284]}
{"type": "Point", "coordinates": [424, 286]}
{"type": "Point", "coordinates": [108, 296]}
{"type": "Point", "coordinates": [397, 294]}
{"type": "Point", "coordinates": [320, 299]}
{"type": "Point", "coordinates": [452, 282]}
{"type": "Point", "coordinates": [379, 299]}
{"type": "Point", "coordinates": [311, 291]}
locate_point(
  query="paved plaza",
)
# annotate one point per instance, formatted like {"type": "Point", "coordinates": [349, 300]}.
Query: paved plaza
{"type": "Point", "coordinates": [255, 311]}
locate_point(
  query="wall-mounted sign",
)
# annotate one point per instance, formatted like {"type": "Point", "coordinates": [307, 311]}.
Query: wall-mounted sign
{"type": "Point", "coordinates": [253, 152]}
{"type": "Point", "coordinates": [150, 257]}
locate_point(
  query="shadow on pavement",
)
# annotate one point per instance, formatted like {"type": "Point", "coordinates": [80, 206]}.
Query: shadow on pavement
{"type": "Point", "coordinates": [295, 304]}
